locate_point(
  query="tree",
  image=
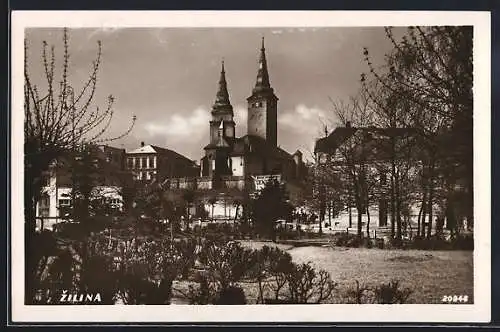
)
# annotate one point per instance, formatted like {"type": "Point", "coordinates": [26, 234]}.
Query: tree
{"type": "Point", "coordinates": [428, 76]}
{"type": "Point", "coordinates": [270, 204]}
{"type": "Point", "coordinates": [59, 118]}
{"type": "Point", "coordinates": [353, 159]}
{"type": "Point", "coordinates": [212, 201]}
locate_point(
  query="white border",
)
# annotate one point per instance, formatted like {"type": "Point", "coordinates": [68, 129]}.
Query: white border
{"type": "Point", "coordinates": [478, 312]}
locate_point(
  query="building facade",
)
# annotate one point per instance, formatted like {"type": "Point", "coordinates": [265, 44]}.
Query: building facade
{"type": "Point", "coordinates": [150, 163]}
{"type": "Point", "coordinates": [103, 166]}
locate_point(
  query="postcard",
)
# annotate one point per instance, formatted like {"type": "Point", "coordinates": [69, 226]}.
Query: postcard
{"type": "Point", "coordinates": [257, 166]}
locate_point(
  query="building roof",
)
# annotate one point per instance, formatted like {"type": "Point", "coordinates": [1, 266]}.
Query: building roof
{"type": "Point", "coordinates": [148, 149]}
{"type": "Point", "coordinates": [375, 139]}
{"type": "Point", "coordinates": [258, 145]}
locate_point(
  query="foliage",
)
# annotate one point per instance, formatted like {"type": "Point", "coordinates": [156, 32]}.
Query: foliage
{"type": "Point", "coordinates": [385, 293]}
{"type": "Point", "coordinates": [306, 285]}
{"type": "Point", "coordinates": [226, 263]}
{"type": "Point", "coordinates": [345, 239]}
{"type": "Point", "coordinates": [59, 120]}
{"type": "Point", "coordinates": [426, 85]}
{"type": "Point", "coordinates": [392, 293]}
{"type": "Point", "coordinates": [231, 295]}
{"type": "Point", "coordinates": [273, 195]}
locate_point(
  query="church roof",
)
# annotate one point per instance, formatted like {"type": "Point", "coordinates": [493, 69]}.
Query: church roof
{"type": "Point", "coordinates": [262, 84]}
{"type": "Point", "coordinates": [222, 96]}
{"type": "Point", "coordinates": [258, 145]}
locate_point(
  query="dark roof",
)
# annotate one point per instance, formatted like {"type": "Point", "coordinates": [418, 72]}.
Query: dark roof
{"type": "Point", "coordinates": [172, 153]}
{"type": "Point", "coordinates": [258, 145]}
{"type": "Point", "coordinates": [376, 139]}
{"type": "Point", "coordinates": [330, 143]}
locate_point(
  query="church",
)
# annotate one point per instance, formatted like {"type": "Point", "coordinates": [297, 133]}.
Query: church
{"type": "Point", "coordinates": [256, 153]}
{"type": "Point", "coordinates": [234, 168]}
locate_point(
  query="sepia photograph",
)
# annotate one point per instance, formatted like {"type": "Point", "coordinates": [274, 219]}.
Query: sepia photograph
{"type": "Point", "coordinates": [200, 160]}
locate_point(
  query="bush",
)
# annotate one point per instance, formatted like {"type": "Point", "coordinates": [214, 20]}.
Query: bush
{"type": "Point", "coordinates": [391, 293]}
{"type": "Point", "coordinates": [225, 262]}
{"type": "Point", "coordinates": [439, 243]}
{"type": "Point", "coordinates": [463, 242]}
{"type": "Point", "coordinates": [345, 239]}
{"type": "Point", "coordinates": [231, 295]}
{"type": "Point", "coordinates": [205, 293]}
{"type": "Point", "coordinates": [306, 285]}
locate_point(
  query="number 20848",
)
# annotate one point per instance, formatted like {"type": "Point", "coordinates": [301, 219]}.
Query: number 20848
{"type": "Point", "coordinates": [455, 299]}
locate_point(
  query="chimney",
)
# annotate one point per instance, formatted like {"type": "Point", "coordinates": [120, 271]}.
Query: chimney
{"type": "Point", "coordinates": [348, 124]}
{"type": "Point", "coordinates": [142, 144]}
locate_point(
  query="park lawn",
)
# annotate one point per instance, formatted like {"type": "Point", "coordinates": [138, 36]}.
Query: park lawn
{"type": "Point", "coordinates": [430, 274]}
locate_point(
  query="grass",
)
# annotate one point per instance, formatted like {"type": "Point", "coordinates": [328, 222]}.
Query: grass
{"type": "Point", "coordinates": [430, 274]}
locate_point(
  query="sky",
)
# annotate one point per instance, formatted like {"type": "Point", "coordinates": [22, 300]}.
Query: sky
{"type": "Point", "coordinates": [168, 77]}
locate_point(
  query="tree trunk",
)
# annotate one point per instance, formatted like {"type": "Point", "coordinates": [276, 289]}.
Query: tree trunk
{"type": "Point", "coordinates": [350, 216]}
{"type": "Point", "coordinates": [393, 209]}
{"type": "Point", "coordinates": [393, 185]}
{"type": "Point", "coordinates": [30, 201]}
{"type": "Point", "coordinates": [431, 201]}
{"type": "Point", "coordinates": [419, 219]}
{"type": "Point", "coordinates": [398, 206]}
{"type": "Point", "coordinates": [360, 221]}
{"type": "Point", "coordinates": [368, 222]}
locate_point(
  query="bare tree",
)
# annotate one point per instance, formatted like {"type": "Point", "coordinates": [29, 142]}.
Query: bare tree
{"type": "Point", "coordinates": [59, 119]}
{"type": "Point", "coordinates": [427, 85]}
{"type": "Point", "coordinates": [351, 157]}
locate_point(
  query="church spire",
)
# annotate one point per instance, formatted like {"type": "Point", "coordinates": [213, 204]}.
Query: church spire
{"type": "Point", "coordinates": [262, 75]}
{"type": "Point", "coordinates": [222, 97]}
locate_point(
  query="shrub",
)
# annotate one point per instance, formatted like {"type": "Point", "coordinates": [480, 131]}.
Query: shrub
{"type": "Point", "coordinates": [305, 285]}
{"type": "Point", "coordinates": [359, 294]}
{"type": "Point", "coordinates": [391, 293]}
{"type": "Point", "coordinates": [205, 293]}
{"type": "Point", "coordinates": [226, 262]}
{"type": "Point", "coordinates": [231, 295]}
{"type": "Point", "coordinates": [463, 242]}
{"type": "Point", "coordinates": [432, 243]}
{"type": "Point", "coordinates": [135, 289]}
{"type": "Point", "coordinates": [345, 239]}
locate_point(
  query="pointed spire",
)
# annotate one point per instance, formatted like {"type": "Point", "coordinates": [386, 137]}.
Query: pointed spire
{"type": "Point", "coordinates": [262, 75]}
{"type": "Point", "coordinates": [222, 97]}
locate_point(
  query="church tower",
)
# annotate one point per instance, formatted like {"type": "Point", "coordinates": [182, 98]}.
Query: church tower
{"type": "Point", "coordinates": [222, 110]}
{"type": "Point", "coordinates": [263, 105]}
{"type": "Point", "coordinates": [221, 132]}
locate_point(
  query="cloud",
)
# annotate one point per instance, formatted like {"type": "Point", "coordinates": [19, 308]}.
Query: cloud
{"type": "Point", "coordinates": [300, 127]}
{"type": "Point", "coordinates": [102, 32]}
{"type": "Point", "coordinates": [240, 118]}
{"type": "Point", "coordinates": [303, 119]}
{"type": "Point", "coordinates": [181, 126]}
